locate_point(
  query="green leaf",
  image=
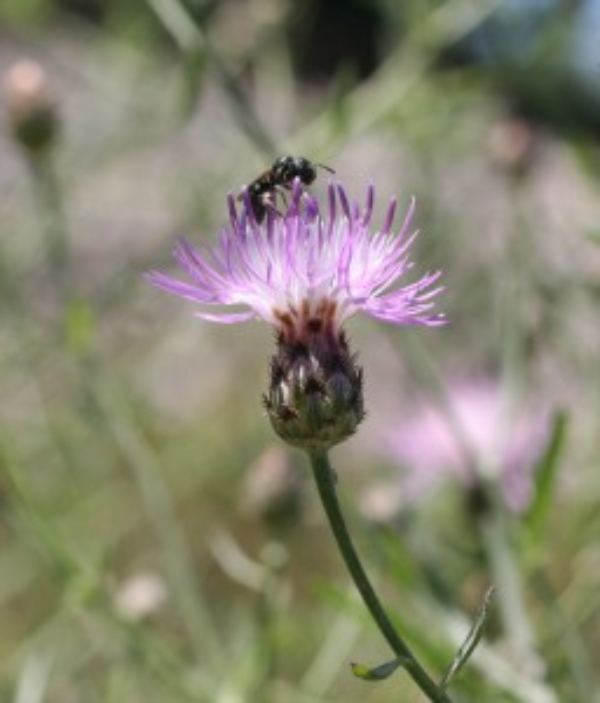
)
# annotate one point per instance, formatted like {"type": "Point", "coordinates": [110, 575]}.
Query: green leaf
{"type": "Point", "coordinates": [546, 472]}
{"type": "Point", "coordinates": [378, 673]}
{"type": "Point", "coordinates": [471, 641]}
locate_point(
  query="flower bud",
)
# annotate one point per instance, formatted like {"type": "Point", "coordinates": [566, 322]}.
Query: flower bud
{"type": "Point", "coordinates": [315, 398]}
{"type": "Point", "coordinates": [30, 106]}
{"type": "Point", "coordinates": [514, 145]}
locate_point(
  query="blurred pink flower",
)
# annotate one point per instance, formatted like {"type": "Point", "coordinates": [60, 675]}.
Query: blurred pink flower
{"type": "Point", "coordinates": [477, 436]}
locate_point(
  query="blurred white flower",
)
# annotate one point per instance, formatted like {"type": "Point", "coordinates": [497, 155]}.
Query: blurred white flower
{"type": "Point", "coordinates": [140, 595]}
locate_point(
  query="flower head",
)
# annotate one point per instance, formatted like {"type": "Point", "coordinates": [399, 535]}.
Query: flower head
{"type": "Point", "coordinates": [478, 437]}
{"type": "Point", "coordinates": [31, 106]}
{"type": "Point", "coordinates": [306, 268]}
{"type": "Point", "coordinates": [305, 272]}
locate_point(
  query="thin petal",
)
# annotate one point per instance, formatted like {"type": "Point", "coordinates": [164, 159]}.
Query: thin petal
{"type": "Point", "coordinates": [306, 260]}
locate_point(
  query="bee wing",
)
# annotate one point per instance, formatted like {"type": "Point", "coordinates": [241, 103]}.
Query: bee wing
{"type": "Point", "coordinates": [265, 178]}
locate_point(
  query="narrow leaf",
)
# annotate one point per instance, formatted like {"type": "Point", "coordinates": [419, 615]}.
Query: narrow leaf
{"type": "Point", "coordinates": [471, 641]}
{"type": "Point", "coordinates": [546, 471]}
{"type": "Point", "coordinates": [378, 673]}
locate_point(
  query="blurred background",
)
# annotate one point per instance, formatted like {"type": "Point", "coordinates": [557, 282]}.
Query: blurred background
{"type": "Point", "coordinates": [157, 541]}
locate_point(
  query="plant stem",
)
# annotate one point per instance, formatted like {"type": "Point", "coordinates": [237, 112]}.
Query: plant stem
{"type": "Point", "coordinates": [325, 480]}
{"type": "Point", "coordinates": [50, 203]}
{"type": "Point", "coordinates": [513, 609]}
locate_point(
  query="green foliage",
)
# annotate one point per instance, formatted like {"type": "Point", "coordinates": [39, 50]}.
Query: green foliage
{"type": "Point", "coordinates": [376, 673]}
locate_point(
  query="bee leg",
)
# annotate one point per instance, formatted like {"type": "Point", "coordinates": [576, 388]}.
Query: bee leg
{"type": "Point", "coordinates": [259, 212]}
{"type": "Point", "coordinates": [268, 202]}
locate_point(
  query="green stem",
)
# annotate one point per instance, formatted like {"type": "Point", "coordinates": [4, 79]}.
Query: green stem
{"type": "Point", "coordinates": [325, 480]}
{"type": "Point", "coordinates": [51, 209]}
{"type": "Point", "coordinates": [512, 607]}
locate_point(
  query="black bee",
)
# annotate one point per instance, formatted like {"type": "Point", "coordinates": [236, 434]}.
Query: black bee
{"type": "Point", "coordinates": [264, 189]}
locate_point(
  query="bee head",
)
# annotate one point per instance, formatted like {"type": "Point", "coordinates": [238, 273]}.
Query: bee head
{"type": "Point", "coordinates": [286, 168]}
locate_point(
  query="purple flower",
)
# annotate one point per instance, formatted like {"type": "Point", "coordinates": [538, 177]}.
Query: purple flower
{"type": "Point", "coordinates": [478, 436]}
{"type": "Point", "coordinates": [305, 273]}
{"type": "Point", "coordinates": [304, 268]}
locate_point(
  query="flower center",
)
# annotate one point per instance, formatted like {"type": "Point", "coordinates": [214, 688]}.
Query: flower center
{"type": "Point", "coordinates": [300, 324]}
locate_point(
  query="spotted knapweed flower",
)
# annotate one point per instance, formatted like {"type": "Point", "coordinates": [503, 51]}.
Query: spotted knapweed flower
{"type": "Point", "coordinates": [306, 272]}
{"type": "Point", "coordinates": [480, 436]}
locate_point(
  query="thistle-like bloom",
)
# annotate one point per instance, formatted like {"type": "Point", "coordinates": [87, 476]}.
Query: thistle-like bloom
{"type": "Point", "coordinates": [305, 272]}
{"type": "Point", "coordinates": [304, 267]}
{"type": "Point", "coordinates": [478, 437]}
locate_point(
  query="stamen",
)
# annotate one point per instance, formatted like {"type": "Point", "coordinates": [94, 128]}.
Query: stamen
{"type": "Point", "coordinates": [297, 191]}
{"type": "Point", "coordinates": [369, 205]}
{"type": "Point", "coordinates": [249, 208]}
{"type": "Point", "coordinates": [311, 206]}
{"type": "Point", "coordinates": [344, 202]}
{"type": "Point", "coordinates": [389, 218]}
{"type": "Point", "coordinates": [407, 218]}
{"type": "Point", "coordinates": [332, 205]}
{"type": "Point", "coordinates": [233, 214]}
